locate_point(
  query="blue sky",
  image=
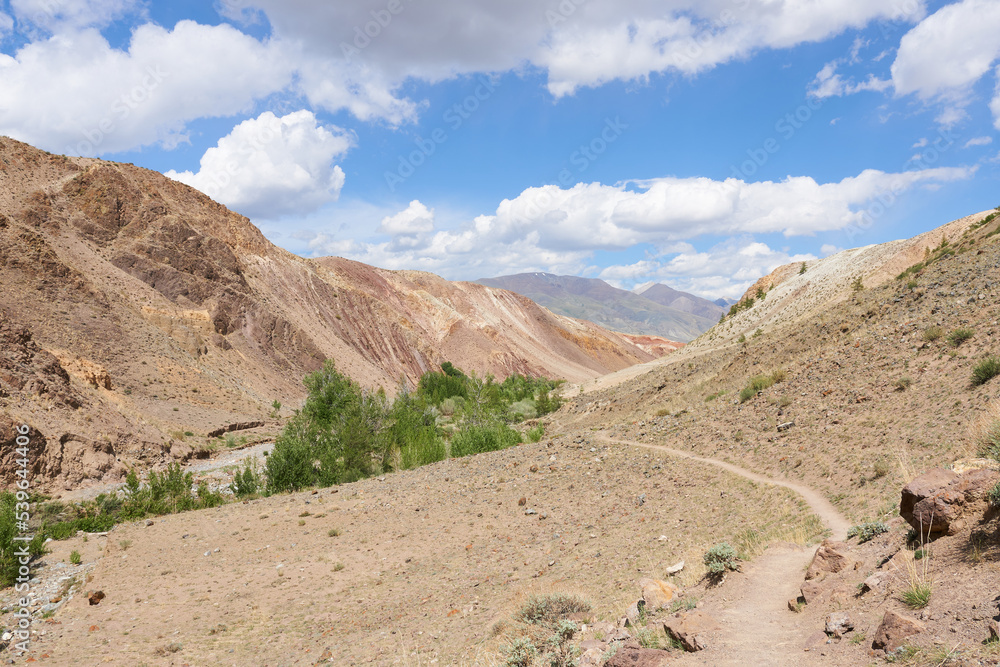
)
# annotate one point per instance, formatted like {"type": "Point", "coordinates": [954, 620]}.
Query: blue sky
{"type": "Point", "coordinates": [696, 143]}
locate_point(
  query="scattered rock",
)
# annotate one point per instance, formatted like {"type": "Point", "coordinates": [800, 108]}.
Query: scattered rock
{"type": "Point", "coordinates": [894, 629]}
{"type": "Point", "coordinates": [875, 582]}
{"type": "Point", "coordinates": [95, 597]}
{"type": "Point", "coordinates": [674, 569]}
{"type": "Point", "coordinates": [785, 426]}
{"type": "Point", "coordinates": [830, 558]}
{"type": "Point", "coordinates": [690, 629]}
{"type": "Point", "coordinates": [994, 628]}
{"type": "Point", "coordinates": [815, 640]}
{"type": "Point", "coordinates": [838, 624]}
{"type": "Point", "coordinates": [657, 594]}
{"type": "Point", "coordinates": [795, 604]}
{"type": "Point", "coordinates": [522, 502]}
{"type": "Point", "coordinates": [633, 613]}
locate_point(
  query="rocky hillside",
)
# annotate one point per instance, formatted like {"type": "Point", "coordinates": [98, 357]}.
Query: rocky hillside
{"type": "Point", "coordinates": [133, 310]}
{"type": "Point", "coordinates": [660, 311]}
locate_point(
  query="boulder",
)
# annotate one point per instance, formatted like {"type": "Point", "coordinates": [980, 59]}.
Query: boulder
{"type": "Point", "coordinates": [591, 657]}
{"type": "Point", "coordinates": [657, 594]}
{"type": "Point", "coordinates": [934, 503]}
{"type": "Point", "coordinates": [633, 613]}
{"type": "Point", "coordinates": [838, 624]}
{"type": "Point", "coordinates": [690, 629]}
{"type": "Point", "coordinates": [830, 558]}
{"type": "Point", "coordinates": [876, 582]}
{"type": "Point", "coordinates": [894, 629]}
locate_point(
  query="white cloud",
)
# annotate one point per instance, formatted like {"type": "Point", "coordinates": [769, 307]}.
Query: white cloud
{"type": "Point", "coordinates": [74, 93]}
{"type": "Point", "coordinates": [978, 141]}
{"type": "Point", "coordinates": [995, 102]}
{"type": "Point", "coordinates": [269, 167]}
{"type": "Point", "coordinates": [68, 14]}
{"type": "Point", "coordinates": [6, 23]}
{"type": "Point", "coordinates": [828, 83]}
{"type": "Point", "coordinates": [921, 143]}
{"type": "Point", "coordinates": [578, 44]}
{"type": "Point", "coordinates": [949, 50]}
{"type": "Point", "coordinates": [556, 230]}
{"type": "Point", "coordinates": [414, 219]}
{"type": "Point", "coordinates": [829, 249]}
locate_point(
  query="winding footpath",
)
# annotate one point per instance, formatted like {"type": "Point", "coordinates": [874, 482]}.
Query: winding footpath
{"type": "Point", "coordinates": [758, 628]}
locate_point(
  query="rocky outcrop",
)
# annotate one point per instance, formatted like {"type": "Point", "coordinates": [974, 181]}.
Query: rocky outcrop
{"type": "Point", "coordinates": [830, 558]}
{"type": "Point", "coordinates": [937, 502]}
{"type": "Point", "coordinates": [657, 594]}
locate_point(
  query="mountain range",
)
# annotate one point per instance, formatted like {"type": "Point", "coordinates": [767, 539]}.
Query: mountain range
{"type": "Point", "coordinates": [657, 310]}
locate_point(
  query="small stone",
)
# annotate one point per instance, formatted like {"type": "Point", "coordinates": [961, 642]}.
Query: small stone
{"type": "Point", "coordinates": [675, 568]}
{"type": "Point", "coordinates": [522, 502]}
{"type": "Point", "coordinates": [95, 597]}
{"type": "Point", "coordinates": [530, 511]}
{"type": "Point", "coordinates": [149, 522]}
{"type": "Point", "coordinates": [838, 624]}
{"type": "Point", "coordinates": [533, 468]}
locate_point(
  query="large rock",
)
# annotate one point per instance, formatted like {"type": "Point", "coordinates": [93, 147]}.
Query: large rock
{"type": "Point", "coordinates": [935, 503]}
{"type": "Point", "coordinates": [830, 558]}
{"type": "Point", "coordinates": [657, 594]}
{"type": "Point", "coordinates": [690, 629]}
{"type": "Point", "coordinates": [894, 630]}
{"type": "Point", "coordinates": [838, 624]}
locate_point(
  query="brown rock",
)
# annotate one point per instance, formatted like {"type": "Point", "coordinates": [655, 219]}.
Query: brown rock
{"type": "Point", "coordinates": [875, 582]}
{"type": "Point", "coordinates": [95, 597]}
{"type": "Point", "coordinates": [522, 502]}
{"type": "Point", "coordinates": [628, 656]}
{"type": "Point", "coordinates": [815, 640]}
{"type": "Point", "coordinates": [894, 629]}
{"type": "Point", "coordinates": [830, 558]}
{"type": "Point", "coordinates": [592, 657]}
{"type": "Point", "coordinates": [795, 604]}
{"type": "Point", "coordinates": [657, 594]}
{"type": "Point", "coordinates": [690, 629]}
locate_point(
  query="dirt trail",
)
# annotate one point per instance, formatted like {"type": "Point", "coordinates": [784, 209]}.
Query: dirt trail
{"type": "Point", "coordinates": [758, 629]}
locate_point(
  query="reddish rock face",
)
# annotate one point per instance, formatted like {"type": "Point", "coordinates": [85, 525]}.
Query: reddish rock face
{"type": "Point", "coordinates": [935, 503]}
{"type": "Point", "coordinates": [830, 558]}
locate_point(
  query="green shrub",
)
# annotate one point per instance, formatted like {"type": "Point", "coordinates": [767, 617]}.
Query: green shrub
{"type": "Point", "coordinates": [867, 531]}
{"type": "Point", "coordinates": [247, 482]}
{"type": "Point", "coordinates": [10, 516]}
{"type": "Point", "coordinates": [960, 335]}
{"type": "Point", "coordinates": [524, 409]}
{"type": "Point", "coordinates": [994, 496]}
{"type": "Point", "coordinates": [536, 433]}
{"type": "Point", "coordinates": [720, 558]}
{"type": "Point", "coordinates": [917, 595]}
{"type": "Point", "coordinates": [857, 284]}
{"type": "Point", "coordinates": [985, 370]}
{"type": "Point", "coordinates": [761, 382]}
{"type": "Point", "coordinates": [521, 653]}
{"type": "Point", "coordinates": [75, 558]}
{"type": "Point", "coordinates": [474, 439]}
{"type": "Point", "coordinates": [903, 383]}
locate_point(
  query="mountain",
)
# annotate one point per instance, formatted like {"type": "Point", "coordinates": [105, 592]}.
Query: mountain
{"type": "Point", "coordinates": [134, 309]}
{"type": "Point", "coordinates": [597, 301]}
{"type": "Point", "coordinates": [723, 302]}
{"type": "Point", "coordinates": [682, 301]}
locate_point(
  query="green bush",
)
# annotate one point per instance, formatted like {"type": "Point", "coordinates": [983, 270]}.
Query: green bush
{"type": "Point", "coordinates": [521, 653]}
{"type": "Point", "coordinates": [75, 558]}
{"type": "Point", "coordinates": [536, 433]}
{"type": "Point", "coordinates": [762, 382]}
{"type": "Point", "coordinates": [985, 370]}
{"type": "Point", "coordinates": [524, 409]}
{"type": "Point", "coordinates": [474, 439]}
{"type": "Point", "coordinates": [10, 516]}
{"type": "Point", "coordinates": [247, 481]}
{"type": "Point", "coordinates": [867, 531]}
{"type": "Point", "coordinates": [994, 496]}
{"type": "Point", "coordinates": [720, 558]}
{"type": "Point", "coordinates": [960, 335]}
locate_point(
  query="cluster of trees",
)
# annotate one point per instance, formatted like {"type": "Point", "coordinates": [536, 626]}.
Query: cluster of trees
{"type": "Point", "coordinates": [344, 433]}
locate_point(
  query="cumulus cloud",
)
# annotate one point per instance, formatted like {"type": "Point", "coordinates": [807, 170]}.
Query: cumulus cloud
{"type": "Point", "coordinates": [995, 102]}
{"type": "Point", "coordinates": [269, 167]}
{"type": "Point", "coordinates": [558, 230]}
{"type": "Point", "coordinates": [578, 44]}
{"type": "Point", "coordinates": [414, 219]}
{"type": "Point", "coordinates": [76, 94]}
{"type": "Point", "coordinates": [949, 50]}
{"type": "Point", "coordinates": [55, 15]}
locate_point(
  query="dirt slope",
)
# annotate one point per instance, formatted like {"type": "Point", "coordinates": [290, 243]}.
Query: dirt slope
{"type": "Point", "coordinates": [162, 313]}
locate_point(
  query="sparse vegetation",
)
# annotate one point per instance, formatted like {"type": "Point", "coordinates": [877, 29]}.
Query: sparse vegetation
{"type": "Point", "coordinates": [9, 529]}
{"type": "Point", "coordinates": [75, 558]}
{"type": "Point", "coordinates": [857, 285]}
{"type": "Point", "coordinates": [932, 333]}
{"type": "Point", "coordinates": [550, 609]}
{"type": "Point", "coordinates": [903, 383]}
{"type": "Point", "coordinates": [960, 335]}
{"type": "Point", "coordinates": [994, 496]}
{"type": "Point", "coordinates": [985, 370]}
{"type": "Point", "coordinates": [867, 531]}
{"type": "Point", "coordinates": [759, 383]}
{"type": "Point", "coordinates": [720, 559]}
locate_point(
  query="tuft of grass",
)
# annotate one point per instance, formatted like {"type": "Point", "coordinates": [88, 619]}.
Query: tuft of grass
{"type": "Point", "coordinates": [333, 532]}
{"type": "Point", "coordinates": [552, 608]}
{"type": "Point", "coordinates": [761, 382]}
{"type": "Point", "coordinates": [903, 383]}
{"type": "Point", "coordinates": [960, 335]}
{"type": "Point", "coordinates": [985, 370]}
{"type": "Point", "coordinates": [75, 558]}
{"type": "Point", "coordinates": [932, 334]}
{"type": "Point", "coordinates": [917, 595]}
{"type": "Point", "coordinates": [338, 567]}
